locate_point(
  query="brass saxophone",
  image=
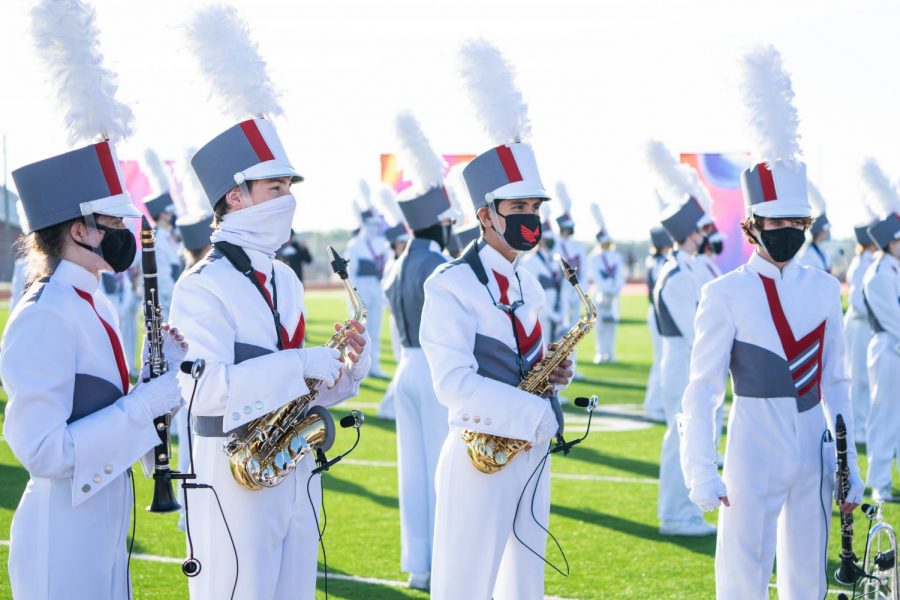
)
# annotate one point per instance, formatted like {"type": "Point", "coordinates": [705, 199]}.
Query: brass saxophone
{"type": "Point", "coordinates": [274, 445]}
{"type": "Point", "coordinates": [490, 453]}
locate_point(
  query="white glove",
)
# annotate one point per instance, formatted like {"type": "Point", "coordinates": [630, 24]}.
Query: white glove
{"type": "Point", "coordinates": [857, 487]}
{"type": "Point", "coordinates": [708, 495]}
{"type": "Point", "coordinates": [321, 363]}
{"type": "Point", "coordinates": [173, 349]}
{"type": "Point", "coordinates": [547, 428]}
{"type": "Point", "coordinates": [158, 396]}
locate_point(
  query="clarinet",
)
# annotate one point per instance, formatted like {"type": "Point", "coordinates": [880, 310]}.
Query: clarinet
{"type": "Point", "coordinates": [163, 493]}
{"type": "Point", "coordinates": [848, 573]}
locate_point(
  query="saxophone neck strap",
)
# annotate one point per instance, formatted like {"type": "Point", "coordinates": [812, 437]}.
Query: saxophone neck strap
{"type": "Point", "coordinates": [240, 261]}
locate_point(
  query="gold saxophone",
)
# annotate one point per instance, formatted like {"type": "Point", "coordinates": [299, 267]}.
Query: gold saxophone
{"type": "Point", "coordinates": [490, 453]}
{"type": "Point", "coordinates": [274, 445]}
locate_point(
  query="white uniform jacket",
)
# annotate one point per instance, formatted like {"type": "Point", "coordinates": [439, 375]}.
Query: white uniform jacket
{"type": "Point", "coordinates": [547, 270]}
{"type": "Point", "coordinates": [856, 308]}
{"type": "Point", "coordinates": [675, 297]}
{"type": "Point", "coordinates": [815, 256]}
{"type": "Point", "coordinates": [706, 269]}
{"type": "Point", "coordinates": [368, 257]}
{"type": "Point", "coordinates": [882, 290]}
{"type": "Point", "coordinates": [780, 334]}
{"type": "Point", "coordinates": [69, 425]}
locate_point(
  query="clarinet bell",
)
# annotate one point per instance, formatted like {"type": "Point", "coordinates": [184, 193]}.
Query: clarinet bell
{"type": "Point", "coordinates": [164, 500]}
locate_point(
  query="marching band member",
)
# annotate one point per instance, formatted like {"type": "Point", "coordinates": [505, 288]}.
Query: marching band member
{"type": "Point", "coordinates": [660, 247]}
{"type": "Point", "coordinates": [73, 420]}
{"type": "Point", "coordinates": [857, 331]}
{"type": "Point", "coordinates": [249, 324]}
{"type": "Point", "coordinates": [421, 420]}
{"type": "Point", "coordinates": [814, 255]}
{"type": "Point", "coordinates": [161, 209]}
{"type": "Point", "coordinates": [881, 290]}
{"type": "Point", "coordinates": [705, 263]}
{"type": "Point", "coordinates": [543, 264]}
{"type": "Point", "coordinates": [606, 274]}
{"type": "Point", "coordinates": [776, 325]}
{"type": "Point", "coordinates": [675, 297]}
{"type": "Point", "coordinates": [368, 254]}
{"type": "Point", "coordinates": [481, 333]}
{"type": "Point", "coordinates": [573, 252]}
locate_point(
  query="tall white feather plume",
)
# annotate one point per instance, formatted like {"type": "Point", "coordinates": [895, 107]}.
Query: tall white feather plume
{"type": "Point", "coordinates": [365, 194]}
{"type": "Point", "coordinates": [458, 193]}
{"type": "Point", "coordinates": [491, 82]}
{"type": "Point", "coordinates": [66, 37]}
{"type": "Point", "coordinates": [220, 40]}
{"type": "Point", "coordinates": [768, 100]}
{"type": "Point", "coordinates": [816, 200]}
{"type": "Point", "coordinates": [196, 206]}
{"type": "Point", "coordinates": [698, 190]}
{"type": "Point", "coordinates": [545, 212]}
{"type": "Point", "coordinates": [674, 179]}
{"type": "Point", "coordinates": [388, 201]}
{"type": "Point", "coordinates": [565, 200]}
{"type": "Point", "coordinates": [156, 171]}
{"type": "Point", "coordinates": [882, 193]}
{"type": "Point", "coordinates": [598, 216]}
{"type": "Point", "coordinates": [660, 202]}
{"type": "Point", "coordinates": [425, 165]}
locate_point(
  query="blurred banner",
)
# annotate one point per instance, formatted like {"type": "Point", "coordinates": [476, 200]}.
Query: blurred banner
{"type": "Point", "coordinates": [139, 187]}
{"type": "Point", "coordinates": [720, 173]}
{"type": "Point", "coordinates": [393, 175]}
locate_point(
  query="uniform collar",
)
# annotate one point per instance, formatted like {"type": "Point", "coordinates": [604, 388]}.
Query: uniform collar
{"type": "Point", "coordinates": [890, 260]}
{"type": "Point", "coordinates": [683, 258]}
{"type": "Point", "coordinates": [69, 273]}
{"type": "Point", "coordinates": [493, 260]}
{"type": "Point", "coordinates": [260, 261]}
{"type": "Point", "coordinates": [424, 244]}
{"type": "Point", "coordinates": [767, 269]}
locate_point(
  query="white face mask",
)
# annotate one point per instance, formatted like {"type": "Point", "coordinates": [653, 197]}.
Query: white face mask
{"type": "Point", "coordinates": [264, 227]}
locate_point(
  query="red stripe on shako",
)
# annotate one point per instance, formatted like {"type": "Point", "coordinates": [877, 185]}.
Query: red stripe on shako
{"type": "Point", "coordinates": [257, 141]}
{"type": "Point", "coordinates": [108, 167]}
{"type": "Point", "coordinates": [508, 160]}
{"type": "Point", "coordinates": [767, 181]}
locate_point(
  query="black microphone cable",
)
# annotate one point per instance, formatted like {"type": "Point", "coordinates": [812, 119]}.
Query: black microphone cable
{"type": "Point", "coordinates": [133, 532]}
{"type": "Point", "coordinates": [564, 447]}
{"type": "Point", "coordinates": [355, 419]}
{"type": "Point", "coordinates": [191, 566]}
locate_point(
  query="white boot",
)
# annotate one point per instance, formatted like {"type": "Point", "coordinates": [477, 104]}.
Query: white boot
{"type": "Point", "coordinates": [689, 528]}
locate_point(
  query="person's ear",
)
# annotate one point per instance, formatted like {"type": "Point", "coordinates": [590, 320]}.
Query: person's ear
{"type": "Point", "coordinates": [78, 231]}
{"type": "Point", "coordinates": [484, 217]}
{"type": "Point", "coordinates": [233, 198]}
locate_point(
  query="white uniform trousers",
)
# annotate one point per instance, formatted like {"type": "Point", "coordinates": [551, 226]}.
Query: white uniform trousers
{"type": "Point", "coordinates": [370, 292]}
{"type": "Point", "coordinates": [883, 429]}
{"type": "Point", "coordinates": [779, 476]}
{"type": "Point", "coordinates": [476, 555]}
{"type": "Point", "coordinates": [274, 530]}
{"type": "Point", "coordinates": [858, 334]}
{"type": "Point", "coordinates": [605, 330]}
{"type": "Point", "coordinates": [653, 396]}
{"type": "Point", "coordinates": [675, 370]}
{"type": "Point", "coordinates": [421, 430]}
{"type": "Point", "coordinates": [61, 552]}
{"type": "Point", "coordinates": [386, 408]}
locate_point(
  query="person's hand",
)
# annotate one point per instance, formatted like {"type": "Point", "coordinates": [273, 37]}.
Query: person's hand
{"type": "Point", "coordinates": [358, 350]}
{"type": "Point", "coordinates": [321, 363]}
{"type": "Point", "coordinates": [708, 495]}
{"type": "Point", "coordinates": [159, 396]}
{"type": "Point", "coordinates": [854, 496]}
{"type": "Point", "coordinates": [562, 374]}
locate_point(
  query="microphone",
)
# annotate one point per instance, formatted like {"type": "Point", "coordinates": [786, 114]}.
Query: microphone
{"type": "Point", "coordinates": [561, 444]}
{"type": "Point", "coordinates": [354, 419]}
{"type": "Point", "coordinates": [193, 368]}
{"type": "Point", "coordinates": [868, 510]}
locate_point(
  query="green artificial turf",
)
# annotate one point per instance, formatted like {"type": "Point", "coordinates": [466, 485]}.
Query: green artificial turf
{"type": "Point", "coordinates": [608, 528]}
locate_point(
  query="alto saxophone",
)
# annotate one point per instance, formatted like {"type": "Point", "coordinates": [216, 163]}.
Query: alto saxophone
{"type": "Point", "coordinates": [490, 453]}
{"type": "Point", "coordinates": [274, 445]}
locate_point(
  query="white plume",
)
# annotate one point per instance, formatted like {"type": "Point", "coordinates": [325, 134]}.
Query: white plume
{"type": "Point", "coordinates": [220, 40]}
{"type": "Point", "coordinates": [598, 216]}
{"type": "Point", "coordinates": [545, 212]}
{"type": "Point", "coordinates": [660, 202]}
{"type": "Point", "coordinates": [156, 172]}
{"type": "Point", "coordinates": [565, 201]}
{"type": "Point", "coordinates": [882, 193]}
{"type": "Point", "coordinates": [66, 37]}
{"type": "Point", "coordinates": [768, 100]}
{"type": "Point", "coordinates": [675, 179]}
{"type": "Point", "coordinates": [491, 82]}
{"type": "Point", "coordinates": [196, 205]}
{"type": "Point", "coordinates": [459, 194]}
{"type": "Point", "coordinates": [365, 194]}
{"type": "Point", "coordinates": [388, 201]}
{"type": "Point", "coordinates": [816, 200]}
{"type": "Point", "coordinates": [425, 165]}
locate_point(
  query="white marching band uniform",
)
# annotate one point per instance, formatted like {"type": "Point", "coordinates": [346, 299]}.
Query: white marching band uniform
{"type": "Point", "coordinates": [858, 333]}
{"type": "Point", "coordinates": [606, 275]}
{"type": "Point", "coordinates": [653, 403]}
{"type": "Point", "coordinates": [813, 255]}
{"type": "Point", "coordinates": [368, 255]}
{"type": "Point", "coordinates": [706, 269]}
{"type": "Point", "coordinates": [120, 290]}
{"type": "Point", "coordinates": [675, 298]}
{"type": "Point", "coordinates": [780, 334]}
{"type": "Point", "coordinates": [77, 434]}
{"type": "Point", "coordinates": [882, 291]}
{"type": "Point", "coordinates": [546, 269]}
{"type": "Point", "coordinates": [421, 420]}
{"type": "Point", "coordinates": [573, 252]}
{"type": "Point", "coordinates": [247, 377]}
{"type": "Point", "coordinates": [168, 256]}
{"type": "Point", "coordinates": [474, 366]}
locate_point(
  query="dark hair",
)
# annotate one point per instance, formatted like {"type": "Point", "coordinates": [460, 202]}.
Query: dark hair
{"type": "Point", "coordinates": [42, 249]}
{"type": "Point", "coordinates": [435, 233]}
{"type": "Point", "coordinates": [756, 221]}
{"type": "Point", "coordinates": [220, 208]}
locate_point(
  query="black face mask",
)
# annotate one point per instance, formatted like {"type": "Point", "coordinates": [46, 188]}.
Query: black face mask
{"type": "Point", "coordinates": [717, 247]}
{"type": "Point", "coordinates": [784, 243]}
{"type": "Point", "coordinates": [548, 244]}
{"type": "Point", "coordinates": [523, 232]}
{"type": "Point", "coordinates": [117, 247]}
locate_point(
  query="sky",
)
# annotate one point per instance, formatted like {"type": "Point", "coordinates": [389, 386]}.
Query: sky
{"type": "Point", "coordinates": [600, 76]}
